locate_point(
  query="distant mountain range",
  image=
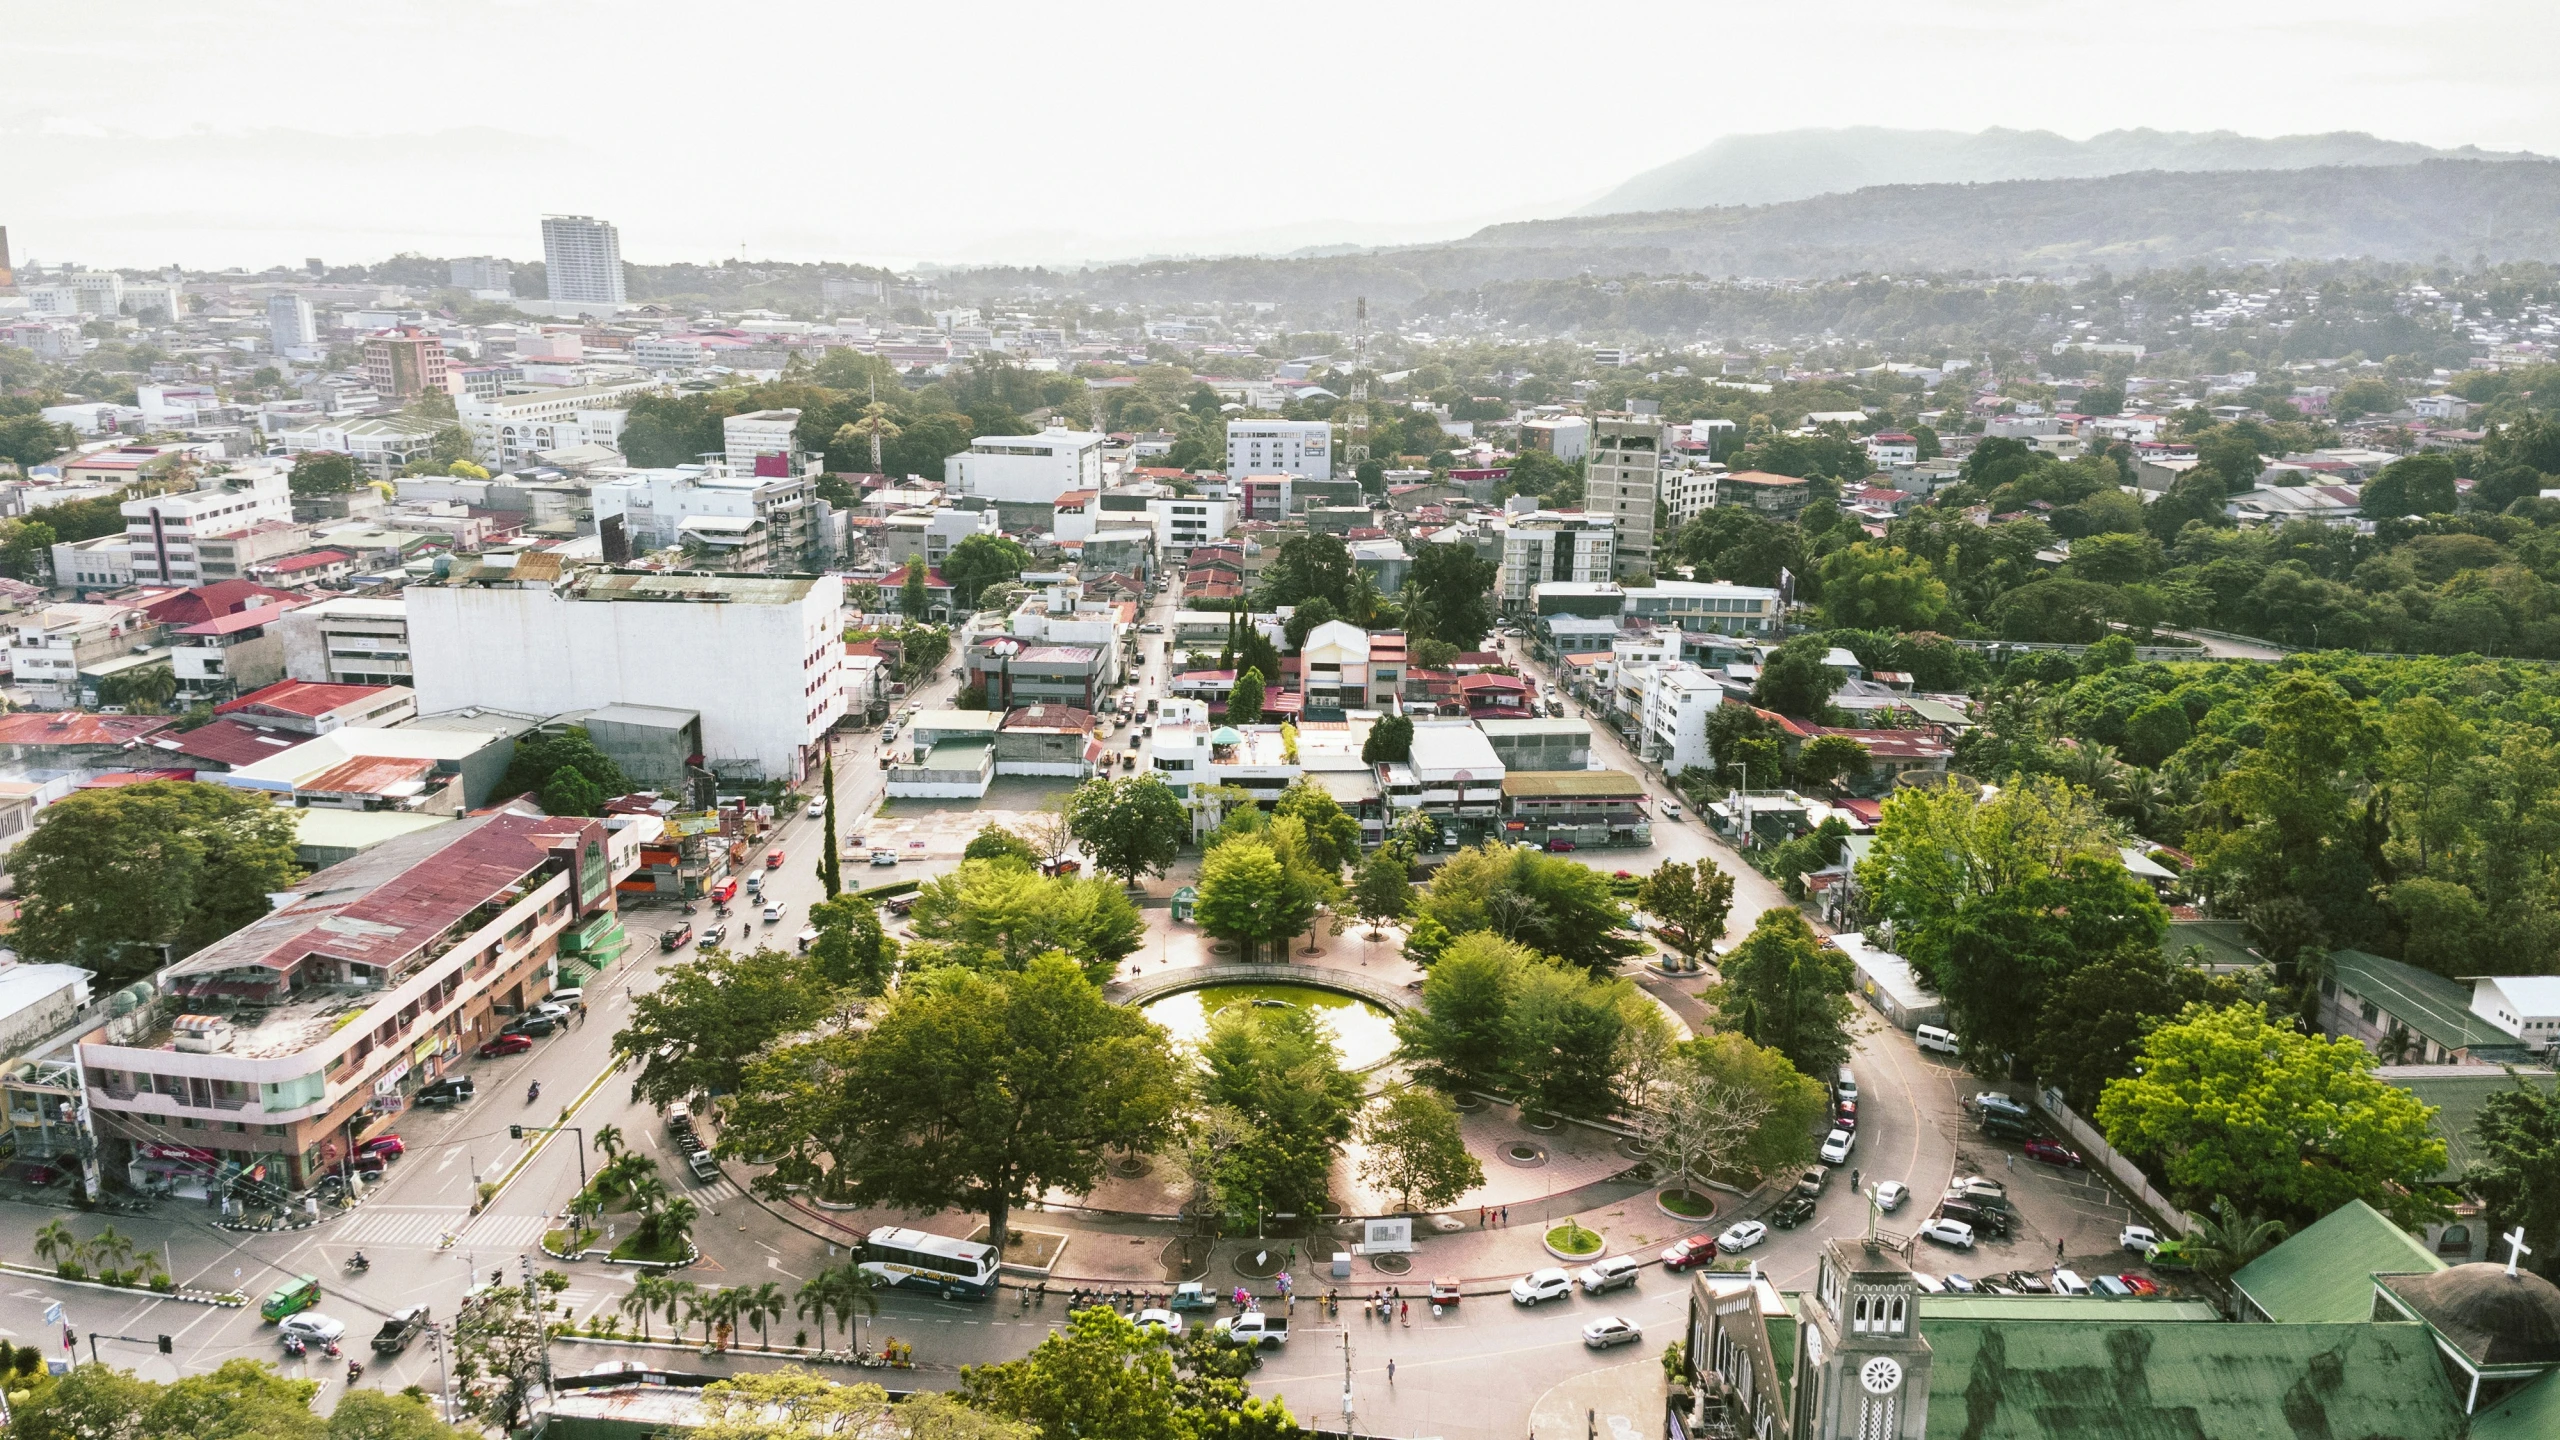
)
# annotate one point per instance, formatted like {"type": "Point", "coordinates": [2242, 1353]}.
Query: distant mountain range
{"type": "Point", "coordinates": [2506, 210]}
{"type": "Point", "coordinates": [1799, 164]}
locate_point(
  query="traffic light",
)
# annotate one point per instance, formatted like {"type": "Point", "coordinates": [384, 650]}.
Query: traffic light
{"type": "Point", "coordinates": [515, 1132]}
{"type": "Point", "coordinates": [167, 1347]}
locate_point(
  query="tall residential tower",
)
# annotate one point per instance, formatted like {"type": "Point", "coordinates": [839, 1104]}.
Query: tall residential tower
{"type": "Point", "coordinates": [582, 260]}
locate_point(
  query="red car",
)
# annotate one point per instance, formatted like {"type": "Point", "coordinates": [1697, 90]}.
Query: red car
{"type": "Point", "coordinates": [2050, 1153]}
{"type": "Point", "coordinates": [506, 1045]}
{"type": "Point", "coordinates": [773, 858]}
{"type": "Point", "coordinates": [1848, 1118]}
{"type": "Point", "coordinates": [1559, 847]}
{"type": "Point", "coordinates": [389, 1147]}
{"type": "Point", "coordinates": [1696, 1250]}
{"type": "Point", "coordinates": [2138, 1285]}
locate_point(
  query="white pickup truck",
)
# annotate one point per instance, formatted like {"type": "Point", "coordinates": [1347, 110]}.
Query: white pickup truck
{"type": "Point", "coordinates": [1255, 1328]}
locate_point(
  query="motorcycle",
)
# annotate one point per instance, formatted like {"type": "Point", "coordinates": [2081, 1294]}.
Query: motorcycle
{"type": "Point", "coordinates": [533, 1092]}
{"type": "Point", "coordinates": [355, 1371]}
{"type": "Point", "coordinates": [294, 1347]}
{"type": "Point", "coordinates": [330, 1349]}
{"type": "Point", "coordinates": [357, 1264]}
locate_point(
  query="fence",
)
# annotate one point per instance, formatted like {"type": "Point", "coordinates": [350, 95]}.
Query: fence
{"type": "Point", "coordinates": [2094, 1148]}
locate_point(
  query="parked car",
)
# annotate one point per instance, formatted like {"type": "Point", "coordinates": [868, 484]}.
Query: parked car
{"type": "Point", "coordinates": [2110, 1288]}
{"type": "Point", "coordinates": [1610, 1330]}
{"type": "Point", "coordinates": [313, 1327]}
{"type": "Point", "coordinates": [2141, 1285]}
{"type": "Point", "coordinates": [1608, 1274]}
{"type": "Point", "coordinates": [1560, 847]}
{"type": "Point", "coordinates": [1982, 1218]}
{"type": "Point", "coordinates": [2049, 1152]}
{"type": "Point", "coordinates": [1742, 1236]}
{"type": "Point", "coordinates": [2031, 1283]}
{"type": "Point", "coordinates": [1957, 1282]}
{"type": "Point", "coordinates": [1929, 1284]}
{"type": "Point", "coordinates": [388, 1146]}
{"type": "Point", "coordinates": [1791, 1212]}
{"type": "Point", "coordinates": [1845, 1115]}
{"type": "Point", "coordinates": [1539, 1285]}
{"type": "Point", "coordinates": [1813, 1179]}
{"type": "Point", "coordinates": [2140, 1239]}
{"type": "Point", "coordinates": [884, 857]}
{"type": "Point", "coordinates": [553, 1010]}
{"type": "Point", "coordinates": [1835, 1147]}
{"type": "Point", "coordinates": [573, 996]}
{"type": "Point", "coordinates": [505, 1045]}
{"type": "Point", "coordinates": [1890, 1194]}
{"type": "Point", "coordinates": [1683, 1254]}
{"type": "Point", "coordinates": [1953, 1233]}
{"type": "Point", "coordinates": [1977, 1189]}
{"type": "Point", "coordinates": [1670, 811]}
{"type": "Point", "coordinates": [530, 1025]}
{"type": "Point", "coordinates": [2067, 1282]}
{"type": "Point", "coordinates": [451, 1090]}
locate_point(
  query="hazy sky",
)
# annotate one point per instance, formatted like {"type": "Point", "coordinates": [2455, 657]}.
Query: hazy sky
{"type": "Point", "coordinates": [261, 131]}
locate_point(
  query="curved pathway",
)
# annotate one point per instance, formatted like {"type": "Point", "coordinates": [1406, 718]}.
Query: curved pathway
{"type": "Point", "coordinates": [1321, 977]}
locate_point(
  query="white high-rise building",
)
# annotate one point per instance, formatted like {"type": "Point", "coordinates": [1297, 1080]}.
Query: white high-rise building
{"type": "Point", "coordinates": [1026, 467]}
{"type": "Point", "coordinates": [290, 326]}
{"type": "Point", "coordinates": [483, 272]}
{"type": "Point", "coordinates": [1303, 448]}
{"type": "Point", "coordinates": [582, 260]}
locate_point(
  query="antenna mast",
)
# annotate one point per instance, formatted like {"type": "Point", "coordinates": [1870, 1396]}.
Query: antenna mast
{"type": "Point", "coordinates": [1355, 417]}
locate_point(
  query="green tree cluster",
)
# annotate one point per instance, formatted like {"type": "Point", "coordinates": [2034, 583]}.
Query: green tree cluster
{"type": "Point", "coordinates": [111, 877]}
{"type": "Point", "coordinates": [1546, 902]}
{"type": "Point", "coordinates": [1498, 1016]}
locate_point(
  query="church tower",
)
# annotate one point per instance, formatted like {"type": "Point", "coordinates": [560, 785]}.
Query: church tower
{"type": "Point", "coordinates": [1862, 1369]}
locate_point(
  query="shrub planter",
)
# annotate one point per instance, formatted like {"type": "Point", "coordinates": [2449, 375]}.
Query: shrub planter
{"type": "Point", "coordinates": [1692, 1205]}
{"type": "Point", "coordinates": [1543, 1124]}
{"type": "Point", "coordinates": [1573, 1236]}
{"type": "Point", "coordinates": [692, 1252]}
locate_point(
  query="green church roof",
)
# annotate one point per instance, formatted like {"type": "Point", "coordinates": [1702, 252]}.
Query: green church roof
{"type": "Point", "coordinates": [2325, 1274]}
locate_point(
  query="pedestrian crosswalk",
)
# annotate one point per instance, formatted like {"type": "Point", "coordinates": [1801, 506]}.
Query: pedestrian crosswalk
{"type": "Point", "coordinates": [422, 1226]}
{"type": "Point", "coordinates": [718, 1192]}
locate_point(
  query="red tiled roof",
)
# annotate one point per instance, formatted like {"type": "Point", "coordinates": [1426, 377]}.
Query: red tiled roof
{"type": "Point", "coordinates": [236, 742]}
{"type": "Point", "coordinates": [308, 698]}
{"type": "Point", "coordinates": [207, 602]}
{"type": "Point", "coordinates": [239, 620]}
{"type": "Point", "coordinates": [368, 775]}
{"type": "Point", "coordinates": [73, 727]}
{"type": "Point", "coordinates": [312, 561]}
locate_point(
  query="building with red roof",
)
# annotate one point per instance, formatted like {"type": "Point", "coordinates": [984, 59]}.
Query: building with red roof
{"type": "Point", "coordinates": [312, 708]}
{"type": "Point", "coordinates": [210, 602]}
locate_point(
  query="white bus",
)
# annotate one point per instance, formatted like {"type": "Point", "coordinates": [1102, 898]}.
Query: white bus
{"type": "Point", "coordinates": [912, 1259]}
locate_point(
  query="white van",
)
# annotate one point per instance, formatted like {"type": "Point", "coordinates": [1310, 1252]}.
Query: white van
{"type": "Point", "coordinates": [1670, 811]}
{"type": "Point", "coordinates": [1933, 1038]}
{"type": "Point", "coordinates": [1846, 1087]}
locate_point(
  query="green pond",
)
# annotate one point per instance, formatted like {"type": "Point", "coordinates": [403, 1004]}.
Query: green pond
{"type": "Point", "coordinates": [1364, 1032]}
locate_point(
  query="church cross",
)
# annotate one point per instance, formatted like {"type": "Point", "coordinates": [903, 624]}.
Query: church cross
{"type": "Point", "coordinates": [2515, 1249]}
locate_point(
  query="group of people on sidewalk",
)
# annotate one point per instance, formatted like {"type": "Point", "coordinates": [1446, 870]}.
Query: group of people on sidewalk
{"type": "Point", "coordinates": [1494, 1215]}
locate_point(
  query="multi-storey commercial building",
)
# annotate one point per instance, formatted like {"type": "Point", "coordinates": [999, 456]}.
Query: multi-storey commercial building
{"type": "Point", "coordinates": [163, 531]}
{"type": "Point", "coordinates": [1688, 491]}
{"type": "Point", "coordinates": [1543, 546]}
{"type": "Point", "coordinates": [1303, 448]}
{"type": "Point", "coordinates": [508, 431]}
{"type": "Point", "coordinates": [1704, 605]}
{"type": "Point", "coordinates": [483, 272]}
{"type": "Point", "coordinates": [759, 442]}
{"type": "Point", "coordinates": [737, 519]}
{"type": "Point", "coordinates": [582, 260]}
{"type": "Point", "coordinates": [1038, 467]}
{"type": "Point", "coordinates": [284, 1043]}
{"type": "Point", "coordinates": [403, 363]}
{"type": "Point", "coordinates": [347, 642]}
{"type": "Point", "coordinates": [1623, 481]}
{"type": "Point", "coordinates": [754, 655]}
{"type": "Point", "coordinates": [50, 647]}
{"type": "Point", "coordinates": [290, 325]}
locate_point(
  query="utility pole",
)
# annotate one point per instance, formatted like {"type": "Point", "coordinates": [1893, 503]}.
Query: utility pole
{"type": "Point", "coordinates": [1348, 1429]}
{"type": "Point", "coordinates": [1355, 414]}
{"type": "Point", "coordinates": [542, 1327]}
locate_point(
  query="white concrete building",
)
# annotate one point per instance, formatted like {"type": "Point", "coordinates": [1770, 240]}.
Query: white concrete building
{"type": "Point", "coordinates": [1183, 522]}
{"type": "Point", "coordinates": [1566, 437]}
{"type": "Point", "coordinates": [1689, 491]}
{"type": "Point", "coordinates": [382, 444]}
{"type": "Point", "coordinates": [756, 657]}
{"type": "Point", "coordinates": [1037, 468]}
{"type": "Point", "coordinates": [162, 530]}
{"type": "Point", "coordinates": [756, 435]}
{"type": "Point", "coordinates": [507, 431]}
{"type": "Point", "coordinates": [582, 260]}
{"type": "Point", "coordinates": [1677, 699]}
{"type": "Point", "coordinates": [102, 563]}
{"type": "Point", "coordinates": [2525, 1006]}
{"type": "Point", "coordinates": [347, 642]}
{"type": "Point", "coordinates": [1543, 545]}
{"type": "Point", "coordinates": [1303, 448]}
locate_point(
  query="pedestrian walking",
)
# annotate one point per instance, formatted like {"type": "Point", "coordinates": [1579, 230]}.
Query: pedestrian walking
{"type": "Point", "coordinates": [2057, 1252]}
{"type": "Point", "coordinates": [1391, 1369]}
{"type": "Point", "coordinates": [1404, 1311]}
{"type": "Point", "coordinates": [2012, 1159]}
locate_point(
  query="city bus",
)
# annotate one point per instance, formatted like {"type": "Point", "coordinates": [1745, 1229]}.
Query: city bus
{"type": "Point", "coordinates": [914, 1260]}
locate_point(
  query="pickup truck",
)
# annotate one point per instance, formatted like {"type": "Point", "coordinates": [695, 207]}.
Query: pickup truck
{"type": "Point", "coordinates": [1255, 1328]}
{"type": "Point", "coordinates": [702, 1165]}
{"type": "Point", "coordinates": [396, 1332]}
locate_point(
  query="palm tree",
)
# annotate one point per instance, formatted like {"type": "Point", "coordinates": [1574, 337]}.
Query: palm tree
{"type": "Point", "coordinates": [850, 1288]}
{"type": "Point", "coordinates": [608, 1142]}
{"type": "Point", "coordinates": [647, 1295]}
{"type": "Point", "coordinates": [2221, 1246]}
{"type": "Point", "coordinates": [111, 1248]}
{"type": "Point", "coordinates": [682, 1301]}
{"type": "Point", "coordinates": [756, 1306]}
{"type": "Point", "coordinates": [57, 1244]}
{"type": "Point", "coordinates": [647, 1193]}
{"type": "Point", "coordinates": [816, 1301]}
{"type": "Point", "coordinates": [720, 1307]}
{"type": "Point", "coordinates": [670, 1226]}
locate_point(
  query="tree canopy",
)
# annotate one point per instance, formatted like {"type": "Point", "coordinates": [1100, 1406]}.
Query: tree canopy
{"type": "Point", "coordinates": [110, 876]}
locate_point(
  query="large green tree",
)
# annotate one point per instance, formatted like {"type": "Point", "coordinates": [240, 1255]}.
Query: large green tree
{"type": "Point", "coordinates": [2000, 958]}
{"type": "Point", "coordinates": [1309, 566]}
{"type": "Point", "coordinates": [1692, 899]}
{"type": "Point", "coordinates": [979, 561]}
{"type": "Point", "coordinates": [998, 914]}
{"type": "Point", "coordinates": [1784, 989]}
{"type": "Point", "coordinates": [1244, 702]}
{"type": "Point", "coordinates": [1796, 681]}
{"type": "Point", "coordinates": [540, 755]}
{"type": "Point", "coordinates": [1417, 1150]}
{"type": "Point", "coordinates": [1448, 595]}
{"type": "Point", "coordinates": [1130, 825]}
{"type": "Point", "coordinates": [1455, 1039]}
{"type": "Point", "coordinates": [320, 473]}
{"type": "Point", "coordinates": [111, 876]}
{"type": "Point", "coordinates": [852, 953]}
{"type": "Point", "coordinates": [1278, 1070]}
{"type": "Point", "coordinates": [2227, 1102]}
{"type": "Point", "coordinates": [1881, 587]}
{"type": "Point", "coordinates": [1547, 902]}
{"type": "Point", "coordinates": [694, 1033]}
{"type": "Point", "coordinates": [985, 1089]}
{"type": "Point", "coordinates": [2516, 1137]}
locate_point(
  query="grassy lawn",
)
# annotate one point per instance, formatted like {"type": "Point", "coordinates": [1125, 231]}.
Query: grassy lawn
{"type": "Point", "coordinates": [1572, 1239]}
{"type": "Point", "coordinates": [1690, 1203]}
{"type": "Point", "coordinates": [632, 1249]}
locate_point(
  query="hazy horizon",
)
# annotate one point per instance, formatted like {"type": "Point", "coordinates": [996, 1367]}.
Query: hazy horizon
{"type": "Point", "coordinates": [996, 133]}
